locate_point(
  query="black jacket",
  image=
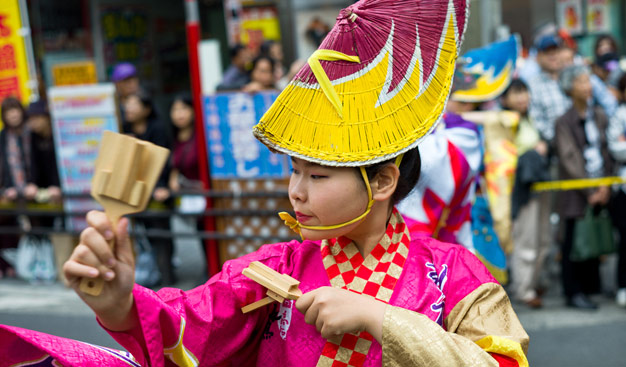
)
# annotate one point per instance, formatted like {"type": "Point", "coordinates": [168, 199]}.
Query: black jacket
{"type": "Point", "coordinates": [531, 167]}
{"type": "Point", "coordinates": [156, 133]}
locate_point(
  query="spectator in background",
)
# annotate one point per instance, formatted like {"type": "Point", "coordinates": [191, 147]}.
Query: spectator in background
{"type": "Point", "coordinates": [616, 136]}
{"type": "Point", "coordinates": [15, 146]}
{"type": "Point", "coordinates": [274, 50]}
{"type": "Point", "coordinates": [317, 31]}
{"type": "Point", "coordinates": [261, 75]}
{"type": "Point", "coordinates": [528, 68]}
{"type": "Point", "coordinates": [547, 100]}
{"type": "Point", "coordinates": [236, 76]}
{"type": "Point", "coordinates": [185, 172]}
{"type": "Point", "coordinates": [605, 43]}
{"type": "Point", "coordinates": [45, 173]}
{"type": "Point", "coordinates": [581, 146]}
{"type": "Point", "coordinates": [530, 212]}
{"type": "Point", "coordinates": [143, 123]}
{"type": "Point", "coordinates": [15, 160]}
{"type": "Point", "coordinates": [605, 67]}
{"type": "Point", "coordinates": [126, 80]}
{"type": "Point", "coordinates": [603, 93]}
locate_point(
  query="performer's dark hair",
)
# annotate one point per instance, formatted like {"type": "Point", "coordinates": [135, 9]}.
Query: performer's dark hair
{"type": "Point", "coordinates": [410, 169]}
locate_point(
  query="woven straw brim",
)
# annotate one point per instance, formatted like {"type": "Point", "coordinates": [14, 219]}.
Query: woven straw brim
{"type": "Point", "coordinates": [376, 126]}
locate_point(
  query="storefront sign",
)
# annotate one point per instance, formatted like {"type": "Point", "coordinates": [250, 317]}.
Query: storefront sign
{"type": "Point", "coordinates": [13, 64]}
{"type": "Point", "coordinates": [259, 24]}
{"type": "Point", "coordinates": [126, 38]}
{"type": "Point", "coordinates": [79, 117]}
{"type": "Point", "coordinates": [233, 151]}
{"type": "Point", "coordinates": [74, 73]}
{"type": "Point", "coordinates": [598, 17]}
{"type": "Point", "coordinates": [569, 15]}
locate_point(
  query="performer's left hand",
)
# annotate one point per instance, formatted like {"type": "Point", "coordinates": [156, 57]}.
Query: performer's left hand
{"type": "Point", "coordinates": [336, 311]}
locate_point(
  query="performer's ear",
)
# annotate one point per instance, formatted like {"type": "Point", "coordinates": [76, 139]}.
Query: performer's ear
{"type": "Point", "coordinates": [385, 182]}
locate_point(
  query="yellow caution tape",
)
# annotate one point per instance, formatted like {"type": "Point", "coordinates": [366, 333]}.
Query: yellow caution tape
{"type": "Point", "coordinates": [577, 184]}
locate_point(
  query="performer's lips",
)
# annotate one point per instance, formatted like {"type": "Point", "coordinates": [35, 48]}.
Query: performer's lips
{"type": "Point", "coordinates": [302, 218]}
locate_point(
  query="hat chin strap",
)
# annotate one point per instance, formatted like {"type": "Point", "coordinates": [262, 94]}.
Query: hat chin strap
{"type": "Point", "coordinates": [296, 226]}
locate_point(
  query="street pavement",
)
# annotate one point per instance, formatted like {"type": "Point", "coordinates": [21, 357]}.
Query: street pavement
{"type": "Point", "coordinates": [559, 336]}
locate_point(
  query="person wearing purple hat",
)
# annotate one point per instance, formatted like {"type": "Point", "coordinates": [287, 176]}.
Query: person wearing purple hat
{"type": "Point", "coordinates": [126, 79]}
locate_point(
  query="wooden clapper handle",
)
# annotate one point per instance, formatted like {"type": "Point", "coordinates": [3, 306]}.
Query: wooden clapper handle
{"type": "Point", "coordinates": [279, 286]}
{"type": "Point", "coordinates": [93, 286]}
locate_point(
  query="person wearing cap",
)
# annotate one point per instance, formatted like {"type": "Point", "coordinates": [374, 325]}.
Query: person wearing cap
{"type": "Point", "coordinates": [547, 100]}
{"type": "Point", "coordinates": [126, 80]}
{"type": "Point", "coordinates": [373, 294]}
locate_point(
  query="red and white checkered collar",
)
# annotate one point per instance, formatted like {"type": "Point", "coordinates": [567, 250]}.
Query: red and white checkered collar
{"type": "Point", "coordinates": [374, 276]}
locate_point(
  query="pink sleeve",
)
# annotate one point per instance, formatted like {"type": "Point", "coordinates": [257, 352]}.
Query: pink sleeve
{"type": "Point", "coordinates": [204, 326]}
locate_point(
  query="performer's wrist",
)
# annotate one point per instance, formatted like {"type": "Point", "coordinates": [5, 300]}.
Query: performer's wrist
{"type": "Point", "coordinates": [374, 319]}
{"type": "Point", "coordinates": [120, 318]}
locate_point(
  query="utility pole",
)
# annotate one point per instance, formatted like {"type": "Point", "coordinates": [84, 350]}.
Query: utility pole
{"type": "Point", "coordinates": [192, 21]}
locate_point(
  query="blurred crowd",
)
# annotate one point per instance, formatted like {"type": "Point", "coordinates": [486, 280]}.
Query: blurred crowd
{"type": "Point", "coordinates": [257, 70]}
{"type": "Point", "coordinates": [572, 126]}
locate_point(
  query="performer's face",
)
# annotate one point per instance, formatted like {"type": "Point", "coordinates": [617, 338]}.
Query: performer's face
{"type": "Point", "coordinates": [323, 196]}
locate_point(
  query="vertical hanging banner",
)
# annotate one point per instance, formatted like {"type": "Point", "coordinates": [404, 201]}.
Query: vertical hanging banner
{"type": "Point", "coordinates": [233, 151]}
{"type": "Point", "coordinates": [569, 14]}
{"type": "Point", "coordinates": [13, 64]}
{"type": "Point", "coordinates": [232, 15]}
{"type": "Point", "coordinates": [80, 114]}
{"type": "Point", "coordinates": [598, 16]}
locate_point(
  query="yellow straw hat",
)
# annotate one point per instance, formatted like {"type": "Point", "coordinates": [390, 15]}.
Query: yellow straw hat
{"type": "Point", "coordinates": [376, 86]}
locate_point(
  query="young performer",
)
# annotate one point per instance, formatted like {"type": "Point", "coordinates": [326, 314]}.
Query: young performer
{"type": "Point", "coordinates": [373, 295]}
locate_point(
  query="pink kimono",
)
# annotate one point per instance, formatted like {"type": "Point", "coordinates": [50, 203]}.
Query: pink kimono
{"type": "Point", "coordinates": [443, 301]}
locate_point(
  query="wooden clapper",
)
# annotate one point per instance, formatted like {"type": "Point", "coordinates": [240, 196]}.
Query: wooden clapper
{"type": "Point", "coordinates": [125, 174]}
{"type": "Point", "coordinates": [279, 286]}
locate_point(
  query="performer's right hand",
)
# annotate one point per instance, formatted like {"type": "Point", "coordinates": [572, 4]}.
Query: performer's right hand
{"type": "Point", "coordinates": [93, 258]}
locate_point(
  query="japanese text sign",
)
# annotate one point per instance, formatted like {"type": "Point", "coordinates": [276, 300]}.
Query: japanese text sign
{"type": "Point", "coordinates": [233, 151]}
{"type": "Point", "coordinates": [13, 64]}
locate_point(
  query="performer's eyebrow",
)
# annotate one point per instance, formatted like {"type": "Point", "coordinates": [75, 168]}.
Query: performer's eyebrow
{"type": "Point", "coordinates": [304, 163]}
